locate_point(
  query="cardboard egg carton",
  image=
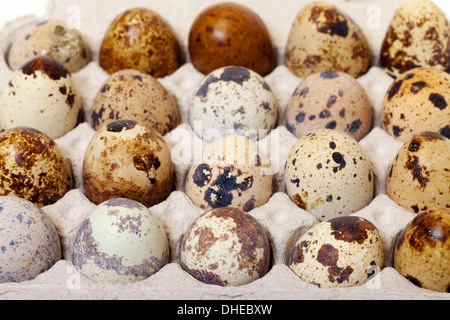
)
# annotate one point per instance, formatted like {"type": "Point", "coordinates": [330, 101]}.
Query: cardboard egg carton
{"type": "Point", "coordinates": [283, 220]}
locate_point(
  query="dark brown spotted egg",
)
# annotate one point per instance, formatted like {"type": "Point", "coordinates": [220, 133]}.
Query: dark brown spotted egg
{"type": "Point", "coordinates": [41, 95]}
{"type": "Point", "coordinates": [422, 251]}
{"type": "Point", "coordinates": [232, 171]}
{"type": "Point", "coordinates": [32, 167]}
{"type": "Point", "coordinates": [329, 174]}
{"type": "Point", "coordinates": [418, 36]}
{"type": "Point", "coordinates": [329, 100]}
{"type": "Point", "coordinates": [225, 247]}
{"type": "Point", "coordinates": [338, 253]}
{"type": "Point", "coordinates": [120, 241]}
{"type": "Point", "coordinates": [143, 40]}
{"type": "Point", "coordinates": [127, 160]}
{"type": "Point", "coordinates": [417, 102]}
{"type": "Point", "coordinates": [134, 95]}
{"type": "Point", "coordinates": [323, 37]}
{"type": "Point", "coordinates": [52, 38]}
{"type": "Point", "coordinates": [419, 177]}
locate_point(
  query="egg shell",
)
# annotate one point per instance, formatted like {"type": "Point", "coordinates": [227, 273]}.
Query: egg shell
{"type": "Point", "coordinates": [52, 38]}
{"type": "Point", "coordinates": [422, 251]}
{"type": "Point", "coordinates": [134, 95]}
{"type": "Point", "coordinates": [230, 172]}
{"type": "Point", "coordinates": [418, 36]}
{"type": "Point", "coordinates": [127, 160]}
{"type": "Point", "coordinates": [120, 241]}
{"type": "Point", "coordinates": [33, 167]}
{"type": "Point", "coordinates": [230, 34]}
{"type": "Point", "coordinates": [141, 39]}
{"type": "Point", "coordinates": [329, 100]}
{"type": "Point", "coordinates": [233, 100]}
{"type": "Point", "coordinates": [225, 247]}
{"type": "Point", "coordinates": [338, 253]}
{"type": "Point", "coordinates": [417, 101]}
{"type": "Point", "coordinates": [323, 37]}
{"type": "Point", "coordinates": [419, 176]}
{"type": "Point", "coordinates": [41, 95]}
{"type": "Point", "coordinates": [329, 174]}
{"type": "Point", "coordinates": [29, 242]}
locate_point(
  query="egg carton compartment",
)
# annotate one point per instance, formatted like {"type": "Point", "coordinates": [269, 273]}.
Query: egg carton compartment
{"type": "Point", "coordinates": [283, 220]}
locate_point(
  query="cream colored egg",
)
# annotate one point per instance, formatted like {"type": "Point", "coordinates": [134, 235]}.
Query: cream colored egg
{"type": "Point", "coordinates": [29, 242]}
{"type": "Point", "coordinates": [338, 253]}
{"type": "Point", "coordinates": [422, 250]}
{"type": "Point", "coordinates": [120, 241]}
{"type": "Point", "coordinates": [233, 100]}
{"type": "Point", "coordinates": [51, 38]}
{"type": "Point", "coordinates": [329, 100]}
{"type": "Point", "coordinates": [225, 247]}
{"type": "Point", "coordinates": [323, 37]}
{"type": "Point", "coordinates": [232, 171]}
{"type": "Point", "coordinates": [134, 95]}
{"type": "Point", "coordinates": [127, 160]}
{"type": "Point", "coordinates": [417, 102]}
{"type": "Point", "coordinates": [329, 174]}
{"type": "Point", "coordinates": [419, 177]}
{"type": "Point", "coordinates": [418, 36]}
{"type": "Point", "coordinates": [41, 95]}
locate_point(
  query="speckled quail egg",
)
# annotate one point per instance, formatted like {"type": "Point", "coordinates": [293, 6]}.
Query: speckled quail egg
{"type": "Point", "coordinates": [134, 95]}
{"type": "Point", "coordinates": [329, 100]}
{"type": "Point", "coordinates": [232, 172]}
{"type": "Point", "coordinates": [127, 160]}
{"type": "Point", "coordinates": [338, 253]}
{"type": "Point", "coordinates": [52, 38]}
{"type": "Point", "coordinates": [422, 252]}
{"type": "Point", "coordinates": [233, 100]}
{"type": "Point", "coordinates": [230, 34]}
{"type": "Point", "coordinates": [418, 36]}
{"type": "Point", "coordinates": [29, 242]}
{"type": "Point", "coordinates": [419, 176]}
{"type": "Point", "coordinates": [120, 241]}
{"type": "Point", "coordinates": [225, 247]}
{"type": "Point", "coordinates": [41, 95]}
{"type": "Point", "coordinates": [323, 37]}
{"type": "Point", "coordinates": [417, 102]}
{"type": "Point", "coordinates": [32, 167]}
{"type": "Point", "coordinates": [143, 40]}
{"type": "Point", "coordinates": [329, 174]}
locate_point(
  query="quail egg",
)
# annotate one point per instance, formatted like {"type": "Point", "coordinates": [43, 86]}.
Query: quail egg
{"type": "Point", "coordinates": [29, 242]}
{"type": "Point", "coordinates": [120, 241]}
{"type": "Point", "coordinates": [127, 160]}
{"type": "Point", "coordinates": [338, 253]}
{"type": "Point", "coordinates": [329, 174]}
{"type": "Point", "coordinates": [225, 247]}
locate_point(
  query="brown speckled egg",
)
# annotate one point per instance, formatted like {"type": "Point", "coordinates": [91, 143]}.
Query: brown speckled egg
{"type": "Point", "coordinates": [225, 247]}
{"type": "Point", "coordinates": [329, 100]}
{"type": "Point", "coordinates": [329, 174]}
{"type": "Point", "coordinates": [419, 176]}
{"type": "Point", "coordinates": [418, 36]}
{"type": "Point", "coordinates": [231, 172]}
{"type": "Point", "coordinates": [50, 38]}
{"type": "Point", "coordinates": [422, 251]}
{"type": "Point", "coordinates": [230, 34]}
{"type": "Point", "coordinates": [143, 40]}
{"type": "Point", "coordinates": [233, 100]}
{"type": "Point", "coordinates": [32, 167]}
{"type": "Point", "coordinates": [41, 95]}
{"type": "Point", "coordinates": [338, 253]}
{"type": "Point", "coordinates": [134, 95]}
{"type": "Point", "coordinates": [322, 37]}
{"type": "Point", "coordinates": [417, 102]}
{"type": "Point", "coordinates": [127, 160]}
